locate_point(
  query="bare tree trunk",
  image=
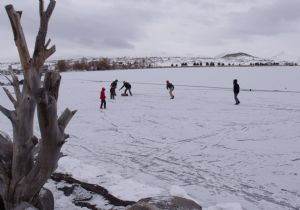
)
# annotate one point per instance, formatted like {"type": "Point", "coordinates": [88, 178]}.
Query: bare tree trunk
{"type": "Point", "coordinates": [22, 175]}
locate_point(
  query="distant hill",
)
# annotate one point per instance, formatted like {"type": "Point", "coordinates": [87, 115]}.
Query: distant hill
{"type": "Point", "coordinates": [239, 54]}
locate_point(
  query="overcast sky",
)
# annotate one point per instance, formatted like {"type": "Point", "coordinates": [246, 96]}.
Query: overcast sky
{"type": "Point", "coordinates": [264, 28]}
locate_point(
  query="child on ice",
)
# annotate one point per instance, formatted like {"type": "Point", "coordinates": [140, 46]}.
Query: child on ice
{"type": "Point", "coordinates": [102, 98]}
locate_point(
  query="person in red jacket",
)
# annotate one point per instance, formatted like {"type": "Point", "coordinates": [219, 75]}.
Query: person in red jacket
{"type": "Point", "coordinates": [102, 98]}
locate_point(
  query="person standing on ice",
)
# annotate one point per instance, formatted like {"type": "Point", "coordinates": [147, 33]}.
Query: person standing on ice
{"type": "Point", "coordinates": [236, 90]}
{"type": "Point", "coordinates": [170, 87]}
{"type": "Point", "coordinates": [102, 98]}
{"type": "Point", "coordinates": [113, 87]}
{"type": "Point", "coordinates": [127, 86]}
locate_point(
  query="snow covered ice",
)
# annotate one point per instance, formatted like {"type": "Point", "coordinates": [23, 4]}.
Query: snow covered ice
{"type": "Point", "coordinates": [199, 146]}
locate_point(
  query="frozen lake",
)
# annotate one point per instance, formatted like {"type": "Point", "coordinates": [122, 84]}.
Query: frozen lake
{"type": "Point", "coordinates": [200, 142]}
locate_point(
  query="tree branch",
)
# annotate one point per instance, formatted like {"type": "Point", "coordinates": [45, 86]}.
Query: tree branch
{"type": "Point", "coordinates": [42, 7]}
{"type": "Point", "coordinates": [65, 118]}
{"type": "Point", "coordinates": [11, 98]}
{"type": "Point", "coordinates": [9, 80]}
{"type": "Point", "coordinates": [49, 52]}
{"type": "Point", "coordinates": [50, 8]}
{"type": "Point", "coordinates": [19, 37]}
{"type": "Point", "coordinates": [47, 43]}
{"type": "Point", "coordinates": [16, 85]}
{"type": "Point", "coordinates": [41, 53]}
{"type": "Point", "coordinates": [20, 14]}
{"type": "Point", "coordinates": [4, 137]}
{"type": "Point", "coordinates": [52, 83]}
{"type": "Point", "coordinates": [8, 113]}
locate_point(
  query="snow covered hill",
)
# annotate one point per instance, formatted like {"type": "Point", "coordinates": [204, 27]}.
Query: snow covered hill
{"type": "Point", "coordinates": [234, 59]}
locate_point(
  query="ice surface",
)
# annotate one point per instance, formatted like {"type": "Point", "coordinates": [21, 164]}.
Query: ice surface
{"type": "Point", "coordinates": [199, 145]}
{"type": "Point", "coordinates": [225, 206]}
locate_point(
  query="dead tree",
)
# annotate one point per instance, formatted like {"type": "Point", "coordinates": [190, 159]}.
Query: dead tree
{"type": "Point", "coordinates": [26, 162]}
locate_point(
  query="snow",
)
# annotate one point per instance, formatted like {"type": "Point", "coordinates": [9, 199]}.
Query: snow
{"type": "Point", "coordinates": [199, 145]}
{"type": "Point", "coordinates": [180, 192]}
{"type": "Point", "coordinates": [92, 174]}
{"type": "Point", "coordinates": [225, 206]}
{"type": "Point", "coordinates": [61, 202]}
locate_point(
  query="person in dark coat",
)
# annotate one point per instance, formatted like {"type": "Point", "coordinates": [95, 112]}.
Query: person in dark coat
{"type": "Point", "coordinates": [113, 87]}
{"type": "Point", "coordinates": [102, 98]}
{"type": "Point", "coordinates": [170, 87]}
{"type": "Point", "coordinates": [236, 90]}
{"type": "Point", "coordinates": [127, 86]}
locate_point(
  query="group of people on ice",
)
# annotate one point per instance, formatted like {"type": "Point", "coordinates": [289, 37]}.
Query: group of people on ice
{"type": "Point", "coordinates": [127, 86]}
{"type": "Point", "coordinates": [113, 87]}
{"type": "Point", "coordinates": [170, 87]}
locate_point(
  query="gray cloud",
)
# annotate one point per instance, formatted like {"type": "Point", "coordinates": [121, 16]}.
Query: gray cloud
{"type": "Point", "coordinates": [160, 27]}
{"type": "Point", "coordinates": [109, 26]}
{"type": "Point", "coordinates": [270, 19]}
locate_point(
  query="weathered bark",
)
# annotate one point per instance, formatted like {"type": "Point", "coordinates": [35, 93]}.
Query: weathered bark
{"type": "Point", "coordinates": [25, 206]}
{"type": "Point", "coordinates": [21, 175]}
{"type": "Point", "coordinates": [16, 84]}
{"type": "Point", "coordinates": [41, 53]}
{"type": "Point", "coordinates": [1, 203]}
{"type": "Point", "coordinates": [6, 148]}
{"type": "Point", "coordinates": [19, 37]}
{"type": "Point", "coordinates": [45, 200]}
{"type": "Point", "coordinates": [52, 133]}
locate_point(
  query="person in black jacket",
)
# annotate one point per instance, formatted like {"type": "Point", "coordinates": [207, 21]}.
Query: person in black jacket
{"type": "Point", "coordinates": [113, 87]}
{"type": "Point", "coordinates": [236, 90]}
{"type": "Point", "coordinates": [170, 87]}
{"type": "Point", "coordinates": [127, 86]}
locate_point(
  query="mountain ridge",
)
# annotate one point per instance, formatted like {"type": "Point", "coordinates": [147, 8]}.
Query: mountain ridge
{"type": "Point", "coordinates": [238, 54]}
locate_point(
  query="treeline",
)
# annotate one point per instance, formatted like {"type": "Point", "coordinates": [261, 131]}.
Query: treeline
{"type": "Point", "coordinates": [219, 64]}
{"type": "Point", "coordinates": [99, 64]}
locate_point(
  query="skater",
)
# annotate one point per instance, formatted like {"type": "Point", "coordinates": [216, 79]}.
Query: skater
{"type": "Point", "coordinates": [236, 90]}
{"type": "Point", "coordinates": [127, 86]}
{"type": "Point", "coordinates": [170, 87]}
{"type": "Point", "coordinates": [102, 98]}
{"type": "Point", "coordinates": [113, 87]}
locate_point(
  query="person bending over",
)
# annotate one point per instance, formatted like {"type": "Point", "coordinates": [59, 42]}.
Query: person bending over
{"type": "Point", "coordinates": [127, 86]}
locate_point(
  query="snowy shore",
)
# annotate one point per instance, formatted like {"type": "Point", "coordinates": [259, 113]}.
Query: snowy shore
{"type": "Point", "coordinates": [198, 146]}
